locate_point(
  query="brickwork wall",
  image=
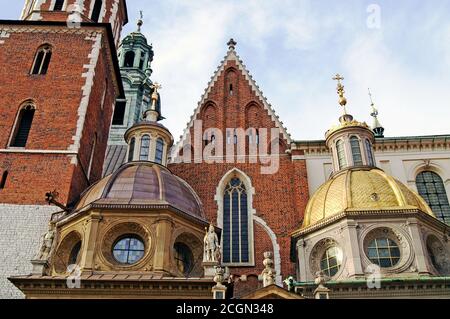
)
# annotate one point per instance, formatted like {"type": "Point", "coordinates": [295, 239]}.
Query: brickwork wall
{"type": "Point", "coordinates": [78, 73]}
{"type": "Point", "coordinates": [280, 199]}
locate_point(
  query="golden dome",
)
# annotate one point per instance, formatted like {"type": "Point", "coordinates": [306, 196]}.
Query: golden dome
{"type": "Point", "coordinates": [361, 190]}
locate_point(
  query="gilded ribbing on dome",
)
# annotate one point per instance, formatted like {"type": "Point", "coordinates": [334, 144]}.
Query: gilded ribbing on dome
{"type": "Point", "coordinates": [361, 190]}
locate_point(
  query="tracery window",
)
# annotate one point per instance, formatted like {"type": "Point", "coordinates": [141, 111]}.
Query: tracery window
{"type": "Point", "coordinates": [42, 60]}
{"type": "Point", "coordinates": [432, 189]}
{"type": "Point", "coordinates": [235, 243]}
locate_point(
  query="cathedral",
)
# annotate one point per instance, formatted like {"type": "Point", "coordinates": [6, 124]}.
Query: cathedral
{"type": "Point", "coordinates": [98, 200]}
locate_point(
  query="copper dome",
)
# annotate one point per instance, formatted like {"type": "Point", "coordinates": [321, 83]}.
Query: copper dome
{"type": "Point", "coordinates": [143, 185]}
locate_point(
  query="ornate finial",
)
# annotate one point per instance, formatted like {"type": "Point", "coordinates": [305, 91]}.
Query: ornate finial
{"type": "Point", "coordinates": [374, 110]}
{"type": "Point", "coordinates": [155, 97]}
{"type": "Point", "coordinates": [231, 44]}
{"type": "Point", "coordinates": [340, 91]}
{"type": "Point", "coordinates": [268, 274]}
{"type": "Point", "coordinates": [378, 129]}
{"type": "Point", "coordinates": [140, 21]}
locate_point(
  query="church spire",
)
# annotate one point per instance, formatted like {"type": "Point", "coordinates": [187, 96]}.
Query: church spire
{"type": "Point", "coordinates": [377, 128]}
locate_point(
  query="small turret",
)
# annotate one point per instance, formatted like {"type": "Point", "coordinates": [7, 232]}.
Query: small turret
{"type": "Point", "coordinates": [351, 142]}
{"type": "Point", "coordinates": [377, 128]}
{"type": "Point", "coordinates": [148, 140]}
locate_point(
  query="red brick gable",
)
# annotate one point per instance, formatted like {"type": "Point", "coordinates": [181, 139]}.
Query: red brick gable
{"type": "Point", "coordinates": [232, 100]}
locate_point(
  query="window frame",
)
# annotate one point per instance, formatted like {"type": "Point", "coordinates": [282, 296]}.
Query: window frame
{"type": "Point", "coordinates": [229, 194]}
{"type": "Point", "coordinates": [445, 204]}
{"type": "Point", "coordinates": [17, 123]}
{"type": "Point", "coordinates": [128, 250]}
{"type": "Point", "coordinates": [369, 152]}
{"type": "Point", "coordinates": [91, 15]}
{"type": "Point", "coordinates": [148, 138]}
{"type": "Point", "coordinates": [63, 5]}
{"type": "Point", "coordinates": [342, 162]}
{"type": "Point", "coordinates": [355, 144]}
{"type": "Point", "coordinates": [159, 143]}
{"type": "Point", "coordinates": [47, 51]}
{"type": "Point", "coordinates": [129, 52]}
{"type": "Point", "coordinates": [131, 149]}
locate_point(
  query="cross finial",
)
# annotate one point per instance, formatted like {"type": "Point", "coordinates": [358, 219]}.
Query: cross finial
{"type": "Point", "coordinates": [338, 78]}
{"type": "Point", "coordinates": [340, 91]}
{"type": "Point", "coordinates": [156, 86]}
{"type": "Point", "coordinates": [231, 44]}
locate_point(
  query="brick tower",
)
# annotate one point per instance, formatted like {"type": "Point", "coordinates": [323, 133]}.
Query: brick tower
{"type": "Point", "coordinates": [255, 207]}
{"type": "Point", "coordinates": [60, 81]}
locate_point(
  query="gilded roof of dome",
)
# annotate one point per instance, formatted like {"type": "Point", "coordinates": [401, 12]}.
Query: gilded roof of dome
{"type": "Point", "coordinates": [143, 184]}
{"type": "Point", "coordinates": [360, 189]}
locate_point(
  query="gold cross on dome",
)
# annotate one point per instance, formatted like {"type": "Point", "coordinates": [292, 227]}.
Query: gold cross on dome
{"type": "Point", "coordinates": [338, 78]}
{"type": "Point", "coordinates": [340, 91]}
{"type": "Point", "coordinates": [156, 86]}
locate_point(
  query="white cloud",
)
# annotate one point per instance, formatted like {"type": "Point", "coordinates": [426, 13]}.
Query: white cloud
{"type": "Point", "coordinates": [293, 47]}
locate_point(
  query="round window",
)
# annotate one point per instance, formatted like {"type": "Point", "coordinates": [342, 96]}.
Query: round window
{"type": "Point", "coordinates": [184, 258]}
{"type": "Point", "coordinates": [438, 256]}
{"type": "Point", "coordinates": [128, 250]}
{"type": "Point", "coordinates": [331, 261]}
{"type": "Point", "coordinates": [73, 258]}
{"type": "Point", "coordinates": [383, 252]}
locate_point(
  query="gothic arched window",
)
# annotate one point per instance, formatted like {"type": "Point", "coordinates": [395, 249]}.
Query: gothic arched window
{"type": "Point", "coordinates": [145, 148]}
{"type": "Point", "coordinates": [96, 11]}
{"type": "Point", "coordinates": [59, 4]}
{"type": "Point", "coordinates": [369, 152]}
{"type": "Point", "coordinates": [129, 59]}
{"type": "Point", "coordinates": [432, 189]}
{"type": "Point", "coordinates": [235, 242]}
{"type": "Point", "coordinates": [42, 60]}
{"type": "Point", "coordinates": [341, 154]}
{"type": "Point", "coordinates": [356, 151]}
{"type": "Point", "coordinates": [131, 149]}
{"type": "Point", "coordinates": [159, 151]}
{"type": "Point", "coordinates": [23, 126]}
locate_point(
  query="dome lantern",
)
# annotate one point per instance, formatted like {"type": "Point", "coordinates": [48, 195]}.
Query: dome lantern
{"type": "Point", "coordinates": [350, 142]}
{"type": "Point", "coordinates": [149, 140]}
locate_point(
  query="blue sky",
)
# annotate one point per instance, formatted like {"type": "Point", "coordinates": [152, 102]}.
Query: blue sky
{"type": "Point", "coordinates": [294, 47]}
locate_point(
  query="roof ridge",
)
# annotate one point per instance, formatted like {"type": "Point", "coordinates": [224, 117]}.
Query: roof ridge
{"type": "Point", "coordinates": [231, 55]}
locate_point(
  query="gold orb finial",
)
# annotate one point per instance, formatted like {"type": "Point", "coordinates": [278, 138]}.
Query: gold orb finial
{"type": "Point", "coordinates": [340, 91]}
